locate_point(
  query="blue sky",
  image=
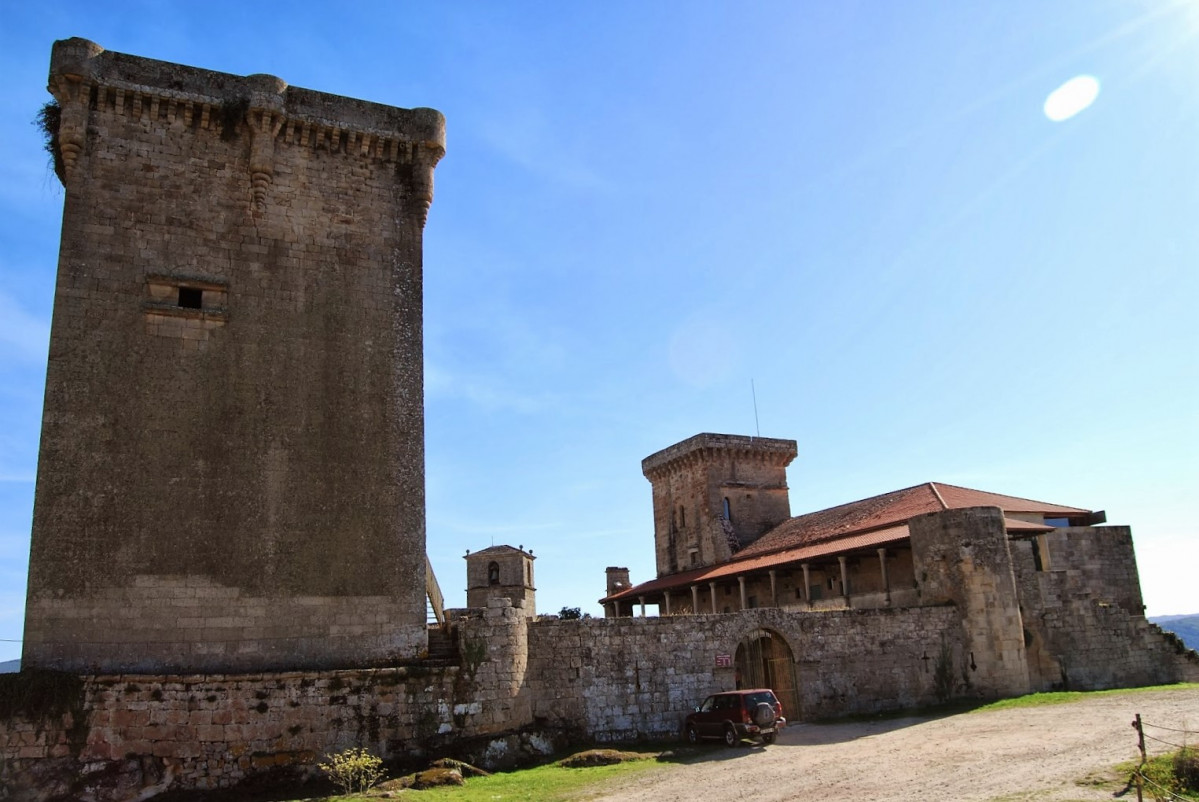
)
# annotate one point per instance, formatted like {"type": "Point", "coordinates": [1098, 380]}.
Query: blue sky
{"type": "Point", "coordinates": [859, 206]}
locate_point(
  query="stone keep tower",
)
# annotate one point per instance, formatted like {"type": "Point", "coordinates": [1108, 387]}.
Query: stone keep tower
{"type": "Point", "coordinates": [714, 493]}
{"type": "Point", "coordinates": [231, 473]}
{"type": "Point", "coordinates": [501, 572]}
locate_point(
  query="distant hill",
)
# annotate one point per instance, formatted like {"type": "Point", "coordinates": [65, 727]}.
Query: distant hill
{"type": "Point", "coordinates": [1184, 626]}
{"type": "Point", "coordinates": [10, 667]}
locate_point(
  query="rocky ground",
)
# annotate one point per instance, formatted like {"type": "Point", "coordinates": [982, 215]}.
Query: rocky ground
{"type": "Point", "coordinates": [1050, 753]}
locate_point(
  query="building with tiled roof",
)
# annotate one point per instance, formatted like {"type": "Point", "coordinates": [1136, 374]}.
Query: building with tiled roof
{"type": "Point", "coordinates": [1037, 595]}
{"type": "Point", "coordinates": [856, 554]}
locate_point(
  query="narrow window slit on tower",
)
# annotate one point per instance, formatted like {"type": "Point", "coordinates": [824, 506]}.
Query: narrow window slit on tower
{"type": "Point", "coordinates": [191, 298]}
{"type": "Point", "coordinates": [185, 308]}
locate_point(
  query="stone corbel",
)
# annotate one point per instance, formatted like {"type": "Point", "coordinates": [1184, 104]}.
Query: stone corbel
{"type": "Point", "coordinates": [424, 160]}
{"type": "Point", "coordinates": [73, 94]}
{"type": "Point", "coordinates": [265, 119]}
{"type": "Point", "coordinates": [71, 84]}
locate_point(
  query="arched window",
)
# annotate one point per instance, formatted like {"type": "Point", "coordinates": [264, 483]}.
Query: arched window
{"type": "Point", "coordinates": [728, 512]}
{"type": "Point", "coordinates": [682, 517]}
{"type": "Point", "coordinates": [493, 573]}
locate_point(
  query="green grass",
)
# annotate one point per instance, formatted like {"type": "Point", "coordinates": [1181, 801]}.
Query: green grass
{"type": "Point", "coordinates": [550, 783]}
{"type": "Point", "coordinates": [541, 783]}
{"type": "Point", "coordinates": [1064, 697]}
{"type": "Point", "coordinates": [1162, 776]}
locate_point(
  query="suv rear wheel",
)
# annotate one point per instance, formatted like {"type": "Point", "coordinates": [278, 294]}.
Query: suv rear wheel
{"type": "Point", "coordinates": [730, 736]}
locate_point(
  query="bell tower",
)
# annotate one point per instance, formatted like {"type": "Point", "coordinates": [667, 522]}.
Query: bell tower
{"type": "Point", "coordinates": [501, 571]}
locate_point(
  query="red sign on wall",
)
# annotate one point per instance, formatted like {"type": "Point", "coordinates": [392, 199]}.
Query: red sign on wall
{"type": "Point", "coordinates": [724, 661]}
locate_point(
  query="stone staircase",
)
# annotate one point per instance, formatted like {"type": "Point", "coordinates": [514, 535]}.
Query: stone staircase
{"type": "Point", "coordinates": [443, 648]}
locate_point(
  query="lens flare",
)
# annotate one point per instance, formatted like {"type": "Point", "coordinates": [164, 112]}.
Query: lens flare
{"type": "Point", "coordinates": [1071, 97]}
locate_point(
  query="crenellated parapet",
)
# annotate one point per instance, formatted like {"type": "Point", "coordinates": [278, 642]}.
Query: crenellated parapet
{"type": "Point", "coordinates": [701, 448]}
{"type": "Point", "coordinates": [86, 79]}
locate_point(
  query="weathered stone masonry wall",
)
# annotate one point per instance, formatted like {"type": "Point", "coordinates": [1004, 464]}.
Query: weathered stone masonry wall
{"type": "Point", "coordinates": [636, 678]}
{"type": "Point", "coordinates": [1102, 646]}
{"type": "Point", "coordinates": [1083, 614]}
{"type": "Point", "coordinates": [609, 679]}
{"type": "Point", "coordinates": [213, 731]}
{"type": "Point", "coordinates": [962, 557]}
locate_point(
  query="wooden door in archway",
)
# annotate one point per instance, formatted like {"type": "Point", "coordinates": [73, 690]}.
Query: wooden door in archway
{"type": "Point", "coordinates": [764, 660]}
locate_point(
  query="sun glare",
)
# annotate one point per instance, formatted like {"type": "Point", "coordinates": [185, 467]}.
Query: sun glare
{"type": "Point", "coordinates": [1071, 97]}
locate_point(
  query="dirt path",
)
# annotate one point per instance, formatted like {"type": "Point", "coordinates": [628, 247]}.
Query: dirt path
{"type": "Point", "coordinates": [1051, 753]}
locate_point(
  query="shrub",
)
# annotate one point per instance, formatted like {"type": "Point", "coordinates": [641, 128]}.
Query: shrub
{"type": "Point", "coordinates": [353, 770]}
{"type": "Point", "coordinates": [1186, 769]}
{"type": "Point", "coordinates": [48, 120]}
{"type": "Point", "coordinates": [1171, 776]}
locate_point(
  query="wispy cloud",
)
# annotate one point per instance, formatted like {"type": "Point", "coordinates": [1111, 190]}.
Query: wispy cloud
{"type": "Point", "coordinates": [484, 392]}
{"type": "Point", "coordinates": [497, 361]}
{"type": "Point", "coordinates": [526, 137]}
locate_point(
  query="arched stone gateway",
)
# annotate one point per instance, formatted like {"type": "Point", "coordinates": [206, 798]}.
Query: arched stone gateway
{"type": "Point", "coordinates": [764, 660]}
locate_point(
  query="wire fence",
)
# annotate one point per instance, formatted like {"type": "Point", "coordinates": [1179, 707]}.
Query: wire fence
{"type": "Point", "coordinates": [1170, 738]}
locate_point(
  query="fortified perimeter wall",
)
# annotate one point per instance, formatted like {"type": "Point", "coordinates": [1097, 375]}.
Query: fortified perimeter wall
{"type": "Point", "coordinates": [623, 679]}
{"type": "Point", "coordinates": [1083, 617]}
{"type": "Point", "coordinates": [232, 452]}
{"type": "Point", "coordinates": [522, 686]}
{"type": "Point", "coordinates": [109, 737]}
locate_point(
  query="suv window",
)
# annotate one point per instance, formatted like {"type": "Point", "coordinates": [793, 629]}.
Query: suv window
{"type": "Point", "coordinates": [752, 700]}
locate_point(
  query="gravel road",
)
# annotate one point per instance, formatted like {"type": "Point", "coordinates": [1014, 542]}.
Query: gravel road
{"type": "Point", "coordinates": [1051, 753]}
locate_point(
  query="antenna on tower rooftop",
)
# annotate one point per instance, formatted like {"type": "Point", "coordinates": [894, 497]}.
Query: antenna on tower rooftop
{"type": "Point", "coordinates": [757, 428]}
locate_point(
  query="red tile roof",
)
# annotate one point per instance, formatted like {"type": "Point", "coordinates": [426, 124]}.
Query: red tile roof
{"type": "Point", "coordinates": [870, 523]}
{"type": "Point", "coordinates": [873, 539]}
{"type": "Point", "coordinates": [890, 509]}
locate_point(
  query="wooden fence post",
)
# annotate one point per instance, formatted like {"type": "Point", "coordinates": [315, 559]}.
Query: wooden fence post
{"type": "Point", "coordinates": [1140, 745]}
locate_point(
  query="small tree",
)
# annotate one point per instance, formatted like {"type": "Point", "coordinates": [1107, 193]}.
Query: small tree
{"type": "Point", "coordinates": [572, 614]}
{"type": "Point", "coordinates": [353, 770]}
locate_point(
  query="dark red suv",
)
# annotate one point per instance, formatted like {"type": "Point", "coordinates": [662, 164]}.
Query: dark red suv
{"type": "Point", "coordinates": [735, 715]}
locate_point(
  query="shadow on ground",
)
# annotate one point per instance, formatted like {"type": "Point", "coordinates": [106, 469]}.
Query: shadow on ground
{"type": "Point", "coordinates": [803, 734]}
